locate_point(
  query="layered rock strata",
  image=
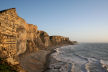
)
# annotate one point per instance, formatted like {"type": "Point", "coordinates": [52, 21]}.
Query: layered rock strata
{"type": "Point", "coordinates": [18, 38]}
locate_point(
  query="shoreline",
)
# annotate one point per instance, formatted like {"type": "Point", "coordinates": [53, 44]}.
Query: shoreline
{"type": "Point", "coordinates": [38, 61]}
{"type": "Point", "coordinates": [49, 57]}
{"type": "Point", "coordinates": [60, 62]}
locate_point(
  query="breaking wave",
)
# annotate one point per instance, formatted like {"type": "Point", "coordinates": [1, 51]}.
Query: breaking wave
{"type": "Point", "coordinates": [85, 57]}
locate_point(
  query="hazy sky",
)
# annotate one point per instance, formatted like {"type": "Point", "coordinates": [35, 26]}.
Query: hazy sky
{"type": "Point", "coordinates": [81, 20]}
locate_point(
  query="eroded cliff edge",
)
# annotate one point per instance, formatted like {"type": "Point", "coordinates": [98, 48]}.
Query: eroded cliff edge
{"type": "Point", "coordinates": [19, 40]}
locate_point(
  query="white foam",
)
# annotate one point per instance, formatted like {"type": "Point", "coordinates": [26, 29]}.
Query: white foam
{"type": "Point", "coordinates": [104, 62]}
{"type": "Point", "coordinates": [80, 62]}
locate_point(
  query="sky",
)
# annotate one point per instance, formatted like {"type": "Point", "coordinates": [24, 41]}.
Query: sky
{"type": "Point", "coordinates": [80, 20]}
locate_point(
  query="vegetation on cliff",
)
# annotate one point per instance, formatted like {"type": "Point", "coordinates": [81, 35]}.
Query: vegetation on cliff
{"type": "Point", "coordinates": [5, 67]}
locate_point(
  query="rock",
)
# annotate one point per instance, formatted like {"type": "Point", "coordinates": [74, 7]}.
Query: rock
{"type": "Point", "coordinates": [44, 38]}
{"type": "Point", "coordinates": [55, 65]}
{"type": "Point", "coordinates": [12, 36]}
{"type": "Point", "coordinates": [57, 40]}
{"type": "Point", "coordinates": [12, 61]}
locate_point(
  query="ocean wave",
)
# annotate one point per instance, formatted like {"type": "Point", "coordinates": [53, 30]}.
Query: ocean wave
{"type": "Point", "coordinates": [69, 60]}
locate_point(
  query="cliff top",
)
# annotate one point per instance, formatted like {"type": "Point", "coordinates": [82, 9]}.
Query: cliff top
{"type": "Point", "coordinates": [10, 11]}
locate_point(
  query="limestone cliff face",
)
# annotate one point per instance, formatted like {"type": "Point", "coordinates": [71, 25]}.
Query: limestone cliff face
{"type": "Point", "coordinates": [44, 38]}
{"type": "Point", "coordinates": [15, 32]}
{"type": "Point", "coordinates": [11, 28]}
{"type": "Point", "coordinates": [17, 37]}
{"type": "Point", "coordinates": [57, 40]}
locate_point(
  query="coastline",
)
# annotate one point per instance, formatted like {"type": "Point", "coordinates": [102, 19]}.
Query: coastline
{"type": "Point", "coordinates": [69, 59]}
{"type": "Point", "coordinates": [24, 46]}
{"type": "Point", "coordinates": [49, 66]}
{"type": "Point", "coordinates": [53, 61]}
{"type": "Point", "coordinates": [38, 61]}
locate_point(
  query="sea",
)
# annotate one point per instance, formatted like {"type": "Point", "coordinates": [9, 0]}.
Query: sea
{"type": "Point", "coordinates": [84, 57]}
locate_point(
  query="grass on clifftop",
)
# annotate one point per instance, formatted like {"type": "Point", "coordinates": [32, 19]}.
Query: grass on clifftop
{"type": "Point", "coordinates": [4, 67]}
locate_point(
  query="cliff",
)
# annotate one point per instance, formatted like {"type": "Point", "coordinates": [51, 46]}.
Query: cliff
{"type": "Point", "coordinates": [18, 39]}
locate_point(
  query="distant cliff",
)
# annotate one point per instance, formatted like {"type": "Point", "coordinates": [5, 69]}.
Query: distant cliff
{"type": "Point", "coordinates": [19, 38]}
